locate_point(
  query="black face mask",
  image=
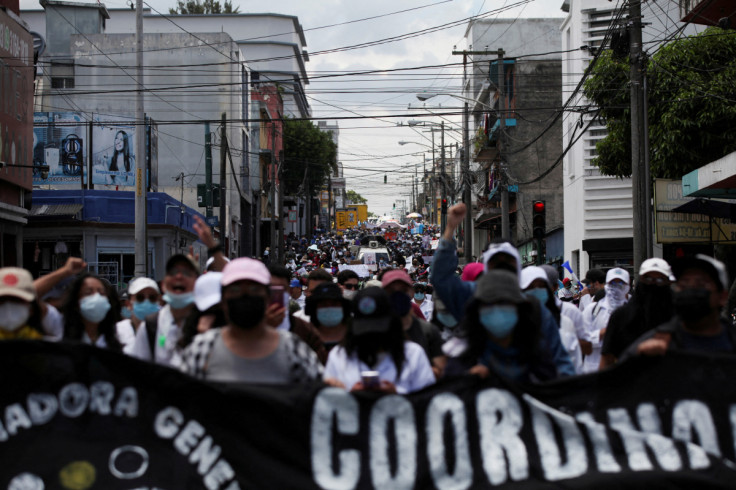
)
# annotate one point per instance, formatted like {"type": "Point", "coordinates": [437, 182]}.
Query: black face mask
{"type": "Point", "coordinates": [692, 304]}
{"type": "Point", "coordinates": [400, 303]}
{"type": "Point", "coordinates": [246, 311]}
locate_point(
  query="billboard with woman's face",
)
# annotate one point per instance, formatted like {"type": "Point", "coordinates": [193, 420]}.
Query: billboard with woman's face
{"type": "Point", "coordinates": [113, 152]}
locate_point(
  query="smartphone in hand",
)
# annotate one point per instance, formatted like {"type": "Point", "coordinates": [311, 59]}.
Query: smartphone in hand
{"type": "Point", "coordinates": [277, 295]}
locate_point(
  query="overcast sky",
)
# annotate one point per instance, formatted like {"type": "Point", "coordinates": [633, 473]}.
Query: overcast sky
{"type": "Point", "coordinates": [369, 147]}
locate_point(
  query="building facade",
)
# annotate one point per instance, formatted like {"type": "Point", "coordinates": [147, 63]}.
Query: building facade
{"type": "Point", "coordinates": [598, 208]}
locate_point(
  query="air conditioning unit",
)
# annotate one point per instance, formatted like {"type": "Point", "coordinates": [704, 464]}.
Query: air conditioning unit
{"type": "Point", "coordinates": [373, 244]}
{"type": "Point", "coordinates": [533, 253]}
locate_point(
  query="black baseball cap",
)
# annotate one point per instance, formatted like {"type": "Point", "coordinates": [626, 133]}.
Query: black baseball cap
{"type": "Point", "coordinates": [371, 311]}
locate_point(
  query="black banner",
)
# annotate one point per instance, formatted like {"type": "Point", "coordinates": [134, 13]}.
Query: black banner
{"type": "Point", "coordinates": [77, 417]}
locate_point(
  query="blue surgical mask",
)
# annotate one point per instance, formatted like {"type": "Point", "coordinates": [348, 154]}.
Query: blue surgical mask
{"type": "Point", "coordinates": [540, 293]}
{"type": "Point", "coordinates": [94, 308]}
{"type": "Point", "coordinates": [144, 308]}
{"type": "Point", "coordinates": [446, 318]}
{"type": "Point", "coordinates": [499, 320]}
{"type": "Point", "coordinates": [178, 301]}
{"type": "Point", "coordinates": [125, 312]}
{"type": "Point", "coordinates": [330, 316]}
{"type": "Point", "coordinates": [419, 296]}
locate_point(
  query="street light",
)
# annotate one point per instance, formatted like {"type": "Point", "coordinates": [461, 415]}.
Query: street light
{"type": "Point", "coordinates": [402, 143]}
{"type": "Point", "coordinates": [467, 192]}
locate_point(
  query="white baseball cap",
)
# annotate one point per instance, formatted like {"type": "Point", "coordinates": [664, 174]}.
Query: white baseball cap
{"type": "Point", "coordinates": [656, 265]}
{"type": "Point", "coordinates": [138, 284]}
{"type": "Point", "coordinates": [207, 290]}
{"type": "Point", "coordinates": [617, 273]}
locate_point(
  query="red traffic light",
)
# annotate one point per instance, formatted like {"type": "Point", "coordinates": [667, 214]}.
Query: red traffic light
{"type": "Point", "coordinates": [538, 207]}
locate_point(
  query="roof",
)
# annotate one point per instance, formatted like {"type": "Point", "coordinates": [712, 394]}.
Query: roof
{"type": "Point", "coordinates": [55, 209]}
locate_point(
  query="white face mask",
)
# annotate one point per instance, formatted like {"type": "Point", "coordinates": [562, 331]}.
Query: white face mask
{"type": "Point", "coordinates": [14, 315]}
{"type": "Point", "coordinates": [349, 293]}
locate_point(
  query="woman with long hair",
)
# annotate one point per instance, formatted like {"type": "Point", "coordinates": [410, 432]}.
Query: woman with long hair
{"type": "Point", "coordinates": [121, 158]}
{"type": "Point", "coordinates": [375, 354]}
{"type": "Point", "coordinates": [91, 311]}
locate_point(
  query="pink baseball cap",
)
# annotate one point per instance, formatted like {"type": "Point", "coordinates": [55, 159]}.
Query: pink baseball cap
{"type": "Point", "coordinates": [245, 269]}
{"type": "Point", "coordinates": [396, 275]}
{"type": "Point", "coordinates": [471, 271]}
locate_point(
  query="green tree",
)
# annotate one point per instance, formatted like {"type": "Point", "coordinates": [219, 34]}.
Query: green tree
{"type": "Point", "coordinates": [309, 157]}
{"type": "Point", "coordinates": [692, 105]}
{"type": "Point", "coordinates": [203, 7]}
{"type": "Point", "coordinates": [355, 198]}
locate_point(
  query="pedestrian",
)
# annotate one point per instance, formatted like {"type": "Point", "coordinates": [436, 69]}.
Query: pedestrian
{"type": "Point", "coordinates": [20, 312]}
{"type": "Point", "coordinates": [456, 293]}
{"type": "Point", "coordinates": [247, 349]}
{"type": "Point", "coordinates": [158, 338]}
{"type": "Point", "coordinates": [207, 312]}
{"type": "Point", "coordinates": [398, 286]}
{"type": "Point", "coordinates": [597, 314]}
{"type": "Point", "coordinates": [144, 296]}
{"type": "Point", "coordinates": [420, 299]}
{"type": "Point", "coordinates": [566, 293]}
{"type": "Point", "coordinates": [349, 282]}
{"type": "Point", "coordinates": [91, 313]}
{"type": "Point", "coordinates": [375, 354]}
{"type": "Point", "coordinates": [595, 280]}
{"type": "Point", "coordinates": [701, 293]}
{"type": "Point", "coordinates": [296, 292]}
{"type": "Point", "coordinates": [280, 317]}
{"type": "Point", "coordinates": [535, 283]}
{"type": "Point", "coordinates": [650, 306]}
{"type": "Point", "coordinates": [502, 336]}
{"type": "Point", "coordinates": [330, 314]}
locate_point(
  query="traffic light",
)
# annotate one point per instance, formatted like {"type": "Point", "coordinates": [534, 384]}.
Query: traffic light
{"type": "Point", "coordinates": [539, 220]}
{"type": "Point", "coordinates": [444, 206]}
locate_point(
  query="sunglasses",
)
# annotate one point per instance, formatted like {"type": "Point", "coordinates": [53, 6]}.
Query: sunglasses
{"type": "Point", "coordinates": [351, 286]}
{"type": "Point", "coordinates": [140, 297]}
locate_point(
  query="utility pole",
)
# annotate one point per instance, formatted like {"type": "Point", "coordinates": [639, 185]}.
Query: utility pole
{"type": "Point", "coordinates": [467, 191]}
{"type": "Point", "coordinates": [223, 173]}
{"type": "Point", "coordinates": [638, 183]}
{"type": "Point", "coordinates": [208, 169]}
{"type": "Point", "coordinates": [141, 247]}
{"type": "Point", "coordinates": [505, 227]}
{"type": "Point", "coordinates": [272, 185]}
{"type": "Point", "coordinates": [443, 189]}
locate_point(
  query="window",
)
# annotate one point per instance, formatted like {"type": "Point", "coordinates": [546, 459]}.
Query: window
{"type": "Point", "coordinates": [61, 82]}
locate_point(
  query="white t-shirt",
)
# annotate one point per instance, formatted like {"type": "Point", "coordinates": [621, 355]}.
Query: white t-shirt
{"type": "Point", "coordinates": [168, 334]}
{"type": "Point", "coordinates": [595, 318]}
{"type": "Point", "coordinates": [415, 374]}
{"type": "Point", "coordinates": [53, 323]}
{"type": "Point", "coordinates": [126, 335]}
{"type": "Point", "coordinates": [426, 307]}
{"type": "Point", "coordinates": [569, 339]}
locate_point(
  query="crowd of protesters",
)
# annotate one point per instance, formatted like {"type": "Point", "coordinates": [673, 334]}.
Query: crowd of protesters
{"type": "Point", "coordinates": [399, 329]}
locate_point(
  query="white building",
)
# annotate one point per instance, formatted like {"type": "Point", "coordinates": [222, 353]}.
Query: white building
{"type": "Point", "coordinates": [598, 209]}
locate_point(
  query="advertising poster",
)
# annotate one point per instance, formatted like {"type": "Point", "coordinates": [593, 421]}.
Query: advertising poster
{"type": "Point", "coordinates": [113, 151]}
{"type": "Point", "coordinates": [59, 140]}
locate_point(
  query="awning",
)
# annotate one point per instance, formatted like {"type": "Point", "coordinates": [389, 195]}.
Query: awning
{"type": "Point", "coordinates": [55, 209]}
{"type": "Point", "coordinates": [708, 207]}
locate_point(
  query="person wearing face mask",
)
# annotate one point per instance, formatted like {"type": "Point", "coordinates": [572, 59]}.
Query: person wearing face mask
{"type": "Point", "coordinates": [247, 349]}
{"type": "Point", "coordinates": [158, 337]}
{"type": "Point", "coordinates": [375, 345]}
{"type": "Point", "coordinates": [650, 306]}
{"type": "Point", "coordinates": [700, 294]}
{"type": "Point", "coordinates": [349, 282]}
{"type": "Point", "coordinates": [20, 315]}
{"type": "Point", "coordinates": [143, 295]}
{"type": "Point", "coordinates": [330, 313]}
{"type": "Point", "coordinates": [91, 312]}
{"type": "Point", "coordinates": [398, 286]}
{"type": "Point", "coordinates": [279, 317]}
{"type": "Point", "coordinates": [535, 283]}
{"type": "Point", "coordinates": [597, 314]}
{"type": "Point", "coordinates": [502, 335]}
{"type": "Point", "coordinates": [425, 304]}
